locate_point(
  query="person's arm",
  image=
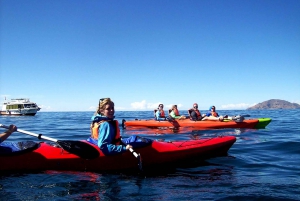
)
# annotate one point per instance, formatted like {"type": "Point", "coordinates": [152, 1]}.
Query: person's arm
{"type": "Point", "coordinates": [157, 114]}
{"type": "Point", "coordinates": [172, 114]}
{"type": "Point", "coordinates": [105, 139]}
{"type": "Point", "coordinates": [189, 112]}
{"type": "Point", "coordinates": [6, 134]}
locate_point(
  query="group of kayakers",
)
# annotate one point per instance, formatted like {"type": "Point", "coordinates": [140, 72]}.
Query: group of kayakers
{"type": "Point", "coordinates": [105, 132]}
{"type": "Point", "coordinates": [194, 114]}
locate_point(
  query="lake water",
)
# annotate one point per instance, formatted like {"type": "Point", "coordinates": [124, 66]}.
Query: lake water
{"type": "Point", "coordinates": [263, 164]}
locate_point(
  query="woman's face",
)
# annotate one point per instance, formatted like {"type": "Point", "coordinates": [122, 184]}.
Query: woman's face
{"type": "Point", "coordinates": [109, 110]}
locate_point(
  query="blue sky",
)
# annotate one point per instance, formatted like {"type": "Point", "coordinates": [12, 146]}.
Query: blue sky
{"type": "Point", "coordinates": [66, 55]}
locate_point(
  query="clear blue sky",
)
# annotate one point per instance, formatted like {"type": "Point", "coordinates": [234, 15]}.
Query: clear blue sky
{"type": "Point", "coordinates": [65, 55]}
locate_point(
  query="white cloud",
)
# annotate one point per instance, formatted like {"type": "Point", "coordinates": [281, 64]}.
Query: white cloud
{"type": "Point", "coordinates": [138, 105]}
{"type": "Point", "coordinates": [144, 105]}
{"type": "Point", "coordinates": [237, 106]}
{"type": "Point", "coordinates": [44, 107]}
{"type": "Point", "coordinates": [92, 108]}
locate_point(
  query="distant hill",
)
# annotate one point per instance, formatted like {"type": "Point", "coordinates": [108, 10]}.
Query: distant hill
{"type": "Point", "coordinates": [274, 104]}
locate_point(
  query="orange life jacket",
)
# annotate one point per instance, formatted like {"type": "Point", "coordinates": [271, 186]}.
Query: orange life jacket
{"type": "Point", "coordinates": [95, 131]}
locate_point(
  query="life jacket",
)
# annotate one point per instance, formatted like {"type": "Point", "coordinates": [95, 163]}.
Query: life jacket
{"type": "Point", "coordinates": [214, 114]}
{"type": "Point", "coordinates": [95, 131]}
{"type": "Point", "coordinates": [162, 113]}
{"type": "Point", "coordinates": [198, 113]}
{"type": "Point", "coordinates": [176, 112]}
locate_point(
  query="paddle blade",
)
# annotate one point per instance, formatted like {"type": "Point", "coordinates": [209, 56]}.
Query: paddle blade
{"type": "Point", "coordinates": [79, 148]}
{"type": "Point", "coordinates": [140, 162]}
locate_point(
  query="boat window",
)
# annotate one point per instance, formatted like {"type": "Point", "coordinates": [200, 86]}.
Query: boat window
{"type": "Point", "coordinates": [29, 105]}
{"type": "Point", "coordinates": [10, 107]}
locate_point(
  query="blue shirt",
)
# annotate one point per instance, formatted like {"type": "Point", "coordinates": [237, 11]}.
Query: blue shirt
{"type": "Point", "coordinates": [158, 116]}
{"type": "Point", "coordinates": [106, 138]}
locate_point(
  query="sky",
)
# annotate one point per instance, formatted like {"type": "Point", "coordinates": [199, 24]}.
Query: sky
{"type": "Point", "coordinates": [66, 55]}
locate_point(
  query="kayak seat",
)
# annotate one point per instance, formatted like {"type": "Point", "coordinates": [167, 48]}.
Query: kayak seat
{"type": "Point", "coordinates": [17, 148]}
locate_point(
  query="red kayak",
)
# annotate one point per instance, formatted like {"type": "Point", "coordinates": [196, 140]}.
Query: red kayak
{"type": "Point", "coordinates": [43, 156]}
{"type": "Point", "coordinates": [208, 124]}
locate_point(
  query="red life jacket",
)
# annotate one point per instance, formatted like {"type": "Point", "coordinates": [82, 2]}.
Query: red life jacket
{"type": "Point", "coordinates": [176, 112]}
{"type": "Point", "coordinates": [95, 131]}
{"type": "Point", "coordinates": [214, 114]}
{"type": "Point", "coordinates": [162, 113]}
{"type": "Point", "coordinates": [198, 113]}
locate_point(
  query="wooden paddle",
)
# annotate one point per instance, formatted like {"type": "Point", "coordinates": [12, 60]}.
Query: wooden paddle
{"type": "Point", "coordinates": [79, 148]}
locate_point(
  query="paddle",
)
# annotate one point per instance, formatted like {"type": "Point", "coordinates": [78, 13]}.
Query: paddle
{"type": "Point", "coordinates": [79, 148]}
{"type": "Point", "coordinates": [138, 156]}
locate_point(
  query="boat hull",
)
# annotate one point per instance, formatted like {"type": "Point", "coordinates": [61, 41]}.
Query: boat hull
{"type": "Point", "coordinates": [249, 123]}
{"type": "Point", "coordinates": [18, 113]}
{"type": "Point", "coordinates": [47, 157]}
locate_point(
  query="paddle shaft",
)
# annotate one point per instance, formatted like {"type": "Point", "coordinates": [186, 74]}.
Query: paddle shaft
{"type": "Point", "coordinates": [134, 153]}
{"type": "Point", "coordinates": [39, 136]}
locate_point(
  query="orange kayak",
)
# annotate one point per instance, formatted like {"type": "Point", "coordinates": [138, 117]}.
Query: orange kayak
{"type": "Point", "coordinates": [249, 123]}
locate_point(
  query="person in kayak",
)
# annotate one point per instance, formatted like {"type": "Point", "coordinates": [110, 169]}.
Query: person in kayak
{"type": "Point", "coordinates": [174, 113]}
{"type": "Point", "coordinates": [3, 136]}
{"type": "Point", "coordinates": [194, 113]}
{"type": "Point", "coordinates": [105, 131]}
{"type": "Point", "coordinates": [213, 115]}
{"type": "Point", "coordinates": [212, 112]}
{"type": "Point", "coordinates": [160, 114]}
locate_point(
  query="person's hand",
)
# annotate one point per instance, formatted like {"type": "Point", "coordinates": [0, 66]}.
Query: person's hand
{"type": "Point", "coordinates": [12, 128]}
{"type": "Point", "coordinates": [128, 147]}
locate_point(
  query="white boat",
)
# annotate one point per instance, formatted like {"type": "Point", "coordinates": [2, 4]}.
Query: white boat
{"type": "Point", "coordinates": [19, 106]}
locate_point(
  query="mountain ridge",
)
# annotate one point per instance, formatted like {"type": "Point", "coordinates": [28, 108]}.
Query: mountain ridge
{"type": "Point", "coordinates": [274, 104]}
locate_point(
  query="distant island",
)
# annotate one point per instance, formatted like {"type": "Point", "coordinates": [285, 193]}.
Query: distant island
{"type": "Point", "coordinates": [274, 104]}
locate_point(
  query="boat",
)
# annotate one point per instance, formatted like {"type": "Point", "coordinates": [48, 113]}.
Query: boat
{"type": "Point", "coordinates": [44, 156]}
{"type": "Point", "coordinates": [207, 124]}
{"type": "Point", "coordinates": [19, 106]}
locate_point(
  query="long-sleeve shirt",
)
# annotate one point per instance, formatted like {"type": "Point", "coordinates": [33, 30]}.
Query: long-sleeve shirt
{"type": "Point", "coordinates": [106, 138]}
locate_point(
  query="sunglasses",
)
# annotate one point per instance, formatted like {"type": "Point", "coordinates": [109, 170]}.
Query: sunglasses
{"type": "Point", "coordinates": [195, 106]}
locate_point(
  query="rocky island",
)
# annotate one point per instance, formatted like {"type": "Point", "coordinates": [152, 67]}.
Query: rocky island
{"type": "Point", "coordinates": [274, 104]}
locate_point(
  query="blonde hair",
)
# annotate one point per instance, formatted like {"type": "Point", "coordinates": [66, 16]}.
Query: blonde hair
{"type": "Point", "coordinates": [102, 103]}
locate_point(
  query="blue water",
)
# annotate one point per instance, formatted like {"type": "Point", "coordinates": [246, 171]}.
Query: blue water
{"type": "Point", "coordinates": [263, 164]}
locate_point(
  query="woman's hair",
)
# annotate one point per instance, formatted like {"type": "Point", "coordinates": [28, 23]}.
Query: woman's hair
{"type": "Point", "coordinates": [102, 103]}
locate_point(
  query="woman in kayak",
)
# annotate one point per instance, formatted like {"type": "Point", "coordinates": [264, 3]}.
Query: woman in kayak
{"type": "Point", "coordinates": [3, 136]}
{"type": "Point", "coordinates": [175, 113]}
{"type": "Point", "coordinates": [105, 130]}
{"type": "Point", "coordinates": [194, 113]}
{"type": "Point", "coordinates": [159, 113]}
